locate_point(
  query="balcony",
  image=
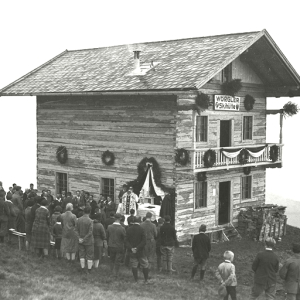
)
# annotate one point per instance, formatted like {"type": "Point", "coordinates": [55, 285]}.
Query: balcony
{"type": "Point", "coordinates": [223, 162]}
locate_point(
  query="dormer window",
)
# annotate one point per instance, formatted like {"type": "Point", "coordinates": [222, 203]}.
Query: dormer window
{"type": "Point", "coordinates": [227, 73]}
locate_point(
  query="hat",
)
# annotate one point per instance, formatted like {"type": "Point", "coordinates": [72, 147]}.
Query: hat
{"type": "Point", "coordinates": [118, 216]}
{"type": "Point", "coordinates": [202, 228]}
{"type": "Point", "coordinates": [296, 248]}
{"type": "Point", "coordinates": [148, 215]}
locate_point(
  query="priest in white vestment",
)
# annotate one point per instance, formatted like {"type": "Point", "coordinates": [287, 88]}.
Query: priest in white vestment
{"type": "Point", "coordinates": [129, 200]}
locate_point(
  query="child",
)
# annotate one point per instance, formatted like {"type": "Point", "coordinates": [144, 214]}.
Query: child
{"type": "Point", "coordinates": [57, 234]}
{"type": "Point", "coordinates": [226, 274]}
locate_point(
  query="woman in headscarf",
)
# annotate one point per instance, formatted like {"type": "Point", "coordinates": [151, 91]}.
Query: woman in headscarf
{"type": "Point", "coordinates": [40, 236]}
{"type": "Point", "coordinates": [69, 242]}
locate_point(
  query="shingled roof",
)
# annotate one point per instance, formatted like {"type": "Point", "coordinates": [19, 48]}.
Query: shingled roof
{"type": "Point", "coordinates": [182, 64]}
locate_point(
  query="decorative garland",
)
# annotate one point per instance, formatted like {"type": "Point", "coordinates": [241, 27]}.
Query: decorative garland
{"type": "Point", "coordinates": [274, 153]}
{"type": "Point", "coordinates": [247, 170]}
{"type": "Point", "coordinates": [231, 87]}
{"type": "Point", "coordinates": [290, 109]}
{"type": "Point", "coordinates": [62, 154]}
{"type": "Point", "coordinates": [108, 158]}
{"type": "Point", "coordinates": [182, 156]}
{"type": "Point", "coordinates": [249, 102]}
{"type": "Point", "coordinates": [209, 158]}
{"type": "Point", "coordinates": [202, 102]}
{"type": "Point", "coordinates": [243, 156]}
{"type": "Point", "coordinates": [201, 176]}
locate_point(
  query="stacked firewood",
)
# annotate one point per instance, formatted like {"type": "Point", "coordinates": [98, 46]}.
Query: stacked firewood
{"type": "Point", "coordinates": [260, 222]}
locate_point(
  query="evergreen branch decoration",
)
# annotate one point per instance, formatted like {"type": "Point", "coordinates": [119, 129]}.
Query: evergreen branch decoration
{"type": "Point", "coordinates": [209, 158]}
{"type": "Point", "coordinates": [274, 153]}
{"type": "Point", "coordinates": [243, 156]}
{"type": "Point", "coordinates": [108, 158]}
{"type": "Point", "coordinates": [202, 102]}
{"type": "Point", "coordinates": [290, 109]}
{"type": "Point", "coordinates": [62, 154]}
{"type": "Point", "coordinates": [249, 102]}
{"type": "Point", "coordinates": [182, 156]}
{"type": "Point", "coordinates": [231, 87]}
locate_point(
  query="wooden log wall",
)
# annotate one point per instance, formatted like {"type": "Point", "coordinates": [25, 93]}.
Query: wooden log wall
{"type": "Point", "coordinates": [188, 219]}
{"type": "Point", "coordinates": [132, 127]}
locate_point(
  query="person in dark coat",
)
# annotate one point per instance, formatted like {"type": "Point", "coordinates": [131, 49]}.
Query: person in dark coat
{"type": "Point", "coordinates": [30, 203]}
{"type": "Point", "coordinates": [12, 216]}
{"type": "Point", "coordinates": [99, 239]}
{"type": "Point", "coordinates": [168, 242]}
{"type": "Point", "coordinates": [4, 214]}
{"type": "Point", "coordinates": [116, 238]}
{"type": "Point", "coordinates": [166, 205]}
{"type": "Point", "coordinates": [40, 238]}
{"type": "Point", "coordinates": [201, 247]}
{"type": "Point", "coordinates": [130, 219]}
{"type": "Point", "coordinates": [158, 244]}
{"type": "Point", "coordinates": [110, 206]}
{"type": "Point", "coordinates": [265, 267]}
{"type": "Point", "coordinates": [84, 230]}
{"type": "Point", "coordinates": [291, 275]}
{"type": "Point", "coordinates": [135, 244]}
{"type": "Point", "coordinates": [57, 235]}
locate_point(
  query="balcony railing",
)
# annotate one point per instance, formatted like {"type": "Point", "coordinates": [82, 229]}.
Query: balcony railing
{"type": "Point", "coordinates": [223, 162]}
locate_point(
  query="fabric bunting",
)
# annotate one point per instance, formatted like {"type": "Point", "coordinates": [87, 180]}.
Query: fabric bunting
{"type": "Point", "coordinates": [231, 154]}
{"type": "Point", "coordinates": [254, 152]}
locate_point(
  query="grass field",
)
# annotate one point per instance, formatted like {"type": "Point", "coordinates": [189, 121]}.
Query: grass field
{"type": "Point", "coordinates": [24, 276]}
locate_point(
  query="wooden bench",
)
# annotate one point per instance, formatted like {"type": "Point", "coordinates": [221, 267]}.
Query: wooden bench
{"type": "Point", "coordinates": [23, 235]}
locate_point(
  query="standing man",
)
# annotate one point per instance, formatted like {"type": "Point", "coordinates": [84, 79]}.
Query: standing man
{"type": "Point", "coordinates": [135, 243]}
{"type": "Point", "coordinates": [168, 241]}
{"type": "Point", "coordinates": [84, 229]}
{"type": "Point", "coordinates": [166, 205]}
{"type": "Point", "coordinates": [129, 201]}
{"type": "Point", "coordinates": [116, 237]}
{"type": "Point", "coordinates": [201, 247]}
{"type": "Point", "coordinates": [122, 192]}
{"type": "Point", "coordinates": [151, 234]}
{"type": "Point", "coordinates": [265, 267]}
{"type": "Point", "coordinates": [291, 275]}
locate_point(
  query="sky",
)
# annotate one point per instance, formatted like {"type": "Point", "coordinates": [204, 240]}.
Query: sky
{"type": "Point", "coordinates": [32, 32]}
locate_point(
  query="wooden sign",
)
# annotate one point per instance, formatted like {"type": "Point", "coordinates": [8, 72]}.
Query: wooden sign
{"type": "Point", "coordinates": [225, 102]}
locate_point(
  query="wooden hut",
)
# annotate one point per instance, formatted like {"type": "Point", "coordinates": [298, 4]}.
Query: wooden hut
{"type": "Point", "coordinates": [197, 106]}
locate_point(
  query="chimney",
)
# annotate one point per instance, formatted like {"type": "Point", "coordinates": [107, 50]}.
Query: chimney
{"type": "Point", "coordinates": [136, 62]}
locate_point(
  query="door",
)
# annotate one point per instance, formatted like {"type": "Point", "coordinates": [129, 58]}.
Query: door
{"type": "Point", "coordinates": [224, 202]}
{"type": "Point", "coordinates": [225, 133]}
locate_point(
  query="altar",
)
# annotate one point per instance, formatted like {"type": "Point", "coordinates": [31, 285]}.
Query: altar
{"type": "Point", "coordinates": [147, 207]}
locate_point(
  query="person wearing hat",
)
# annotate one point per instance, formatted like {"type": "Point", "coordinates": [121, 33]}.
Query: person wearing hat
{"type": "Point", "coordinates": [129, 201]}
{"type": "Point", "coordinates": [291, 275]}
{"type": "Point", "coordinates": [201, 247]}
{"type": "Point", "coordinates": [151, 234]}
{"type": "Point", "coordinates": [116, 238]}
{"type": "Point", "coordinates": [265, 267]}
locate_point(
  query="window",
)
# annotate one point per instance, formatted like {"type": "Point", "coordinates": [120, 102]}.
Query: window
{"type": "Point", "coordinates": [227, 73]}
{"type": "Point", "coordinates": [200, 194]}
{"type": "Point", "coordinates": [201, 128]}
{"type": "Point", "coordinates": [246, 187]}
{"type": "Point", "coordinates": [108, 187]}
{"type": "Point", "coordinates": [247, 127]}
{"type": "Point", "coordinates": [61, 182]}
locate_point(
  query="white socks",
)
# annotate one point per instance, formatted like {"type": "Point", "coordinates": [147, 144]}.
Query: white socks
{"type": "Point", "coordinates": [82, 262]}
{"type": "Point", "coordinates": [96, 263]}
{"type": "Point", "coordinates": [89, 263]}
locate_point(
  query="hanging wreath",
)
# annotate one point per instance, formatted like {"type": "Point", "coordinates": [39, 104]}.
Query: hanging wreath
{"type": "Point", "coordinates": [249, 102]}
{"type": "Point", "coordinates": [62, 154]}
{"type": "Point", "coordinates": [202, 102]}
{"type": "Point", "coordinates": [182, 156]}
{"type": "Point", "coordinates": [201, 176]}
{"type": "Point", "coordinates": [247, 170]}
{"type": "Point", "coordinates": [274, 153]}
{"type": "Point", "coordinates": [243, 156]}
{"type": "Point", "coordinates": [108, 158]}
{"type": "Point", "coordinates": [231, 87]}
{"type": "Point", "coordinates": [209, 158]}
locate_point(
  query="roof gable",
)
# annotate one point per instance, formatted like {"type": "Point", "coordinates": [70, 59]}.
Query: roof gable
{"type": "Point", "coordinates": [183, 64]}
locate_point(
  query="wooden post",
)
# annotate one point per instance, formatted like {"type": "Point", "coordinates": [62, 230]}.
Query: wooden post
{"type": "Point", "coordinates": [281, 123]}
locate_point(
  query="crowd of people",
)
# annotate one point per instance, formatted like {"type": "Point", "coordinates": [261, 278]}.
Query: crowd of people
{"type": "Point", "coordinates": [82, 228]}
